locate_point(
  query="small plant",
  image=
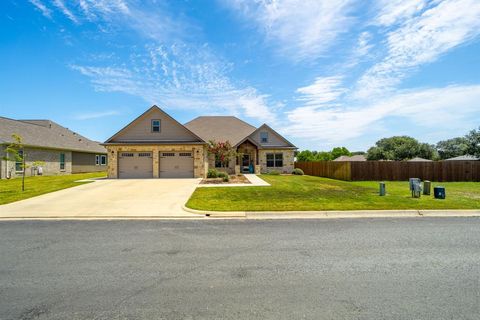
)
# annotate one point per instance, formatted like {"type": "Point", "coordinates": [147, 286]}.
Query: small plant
{"type": "Point", "coordinates": [298, 171]}
{"type": "Point", "coordinates": [226, 178]}
{"type": "Point", "coordinates": [274, 173]}
{"type": "Point", "coordinates": [221, 174]}
{"type": "Point", "coordinates": [212, 173]}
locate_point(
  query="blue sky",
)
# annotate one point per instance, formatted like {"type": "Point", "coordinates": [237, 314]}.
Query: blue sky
{"type": "Point", "coordinates": [323, 73]}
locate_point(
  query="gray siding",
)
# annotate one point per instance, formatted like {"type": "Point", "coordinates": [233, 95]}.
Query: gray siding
{"type": "Point", "coordinates": [51, 166]}
{"type": "Point", "coordinates": [141, 129]}
{"type": "Point", "coordinates": [85, 162]}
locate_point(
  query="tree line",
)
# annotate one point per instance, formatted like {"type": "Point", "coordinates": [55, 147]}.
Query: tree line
{"type": "Point", "coordinates": [400, 148]}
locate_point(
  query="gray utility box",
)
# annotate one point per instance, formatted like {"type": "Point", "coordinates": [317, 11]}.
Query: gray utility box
{"type": "Point", "coordinates": [382, 190]}
{"type": "Point", "coordinates": [415, 187]}
{"type": "Point", "coordinates": [427, 187]}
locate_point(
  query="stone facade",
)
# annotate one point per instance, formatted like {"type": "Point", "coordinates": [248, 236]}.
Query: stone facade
{"type": "Point", "coordinates": [200, 160]}
{"type": "Point", "coordinates": [49, 157]}
{"type": "Point", "coordinates": [288, 160]}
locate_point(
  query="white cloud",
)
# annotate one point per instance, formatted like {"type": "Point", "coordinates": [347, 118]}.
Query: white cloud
{"type": "Point", "coordinates": [304, 29]}
{"type": "Point", "coordinates": [42, 7]}
{"type": "Point", "coordinates": [419, 40]}
{"type": "Point", "coordinates": [396, 11]}
{"type": "Point", "coordinates": [66, 11]}
{"type": "Point", "coordinates": [96, 115]}
{"type": "Point", "coordinates": [322, 91]}
{"type": "Point", "coordinates": [183, 77]}
{"type": "Point", "coordinates": [428, 108]}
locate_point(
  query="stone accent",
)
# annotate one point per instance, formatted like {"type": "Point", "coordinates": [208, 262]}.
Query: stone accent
{"type": "Point", "coordinates": [288, 160]}
{"type": "Point", "coordinates": [50, 157]}
{"type": "Point", "coordinates": [200, 160]}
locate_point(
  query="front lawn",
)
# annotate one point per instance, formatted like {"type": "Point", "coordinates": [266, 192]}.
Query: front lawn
{"type": "Point", "coordinates": [295, 193]}
{"type": "Point", "coordinates": [11, 190]}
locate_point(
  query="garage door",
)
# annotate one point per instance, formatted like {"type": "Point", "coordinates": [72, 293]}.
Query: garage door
{"type": "Point", "coordinates": [176, 164]}
{"type": "Point", "coordinates": [133, 165]}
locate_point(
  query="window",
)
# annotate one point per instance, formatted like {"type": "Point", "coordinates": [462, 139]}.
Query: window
{"type": "Point", "coordinates": [19, 164]}
{"type": "Point", "coordinates": [62, 161]}
{"type": "Point", "coordinates": [97, 160]}
{"type": "Point", "coordinates": [185, 154]}
{"type": "Point", "coordinates": [127, 154]}
{"type": "Point", "coordinates": [264, 137]}
{"type": "Point", "coordinates": [168, 154]}
{"type": "Point", "coordinates": [274, 160]}
{"type": "Point", "coordinates": [218, 164]}
{"type": "Point", "coordinates": [103, 160]}
{"type": "Point", "coordinates": [144, 154]}
{"type": "Point", "coordinates": [155, 125]}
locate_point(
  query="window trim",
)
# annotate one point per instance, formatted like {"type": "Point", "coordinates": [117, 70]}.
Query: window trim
{"type": "Point", "coordinates": [159, 126]}
{"type": "Point", "coordinates": [20, 163]}
{"type": "Point", "coordinates": [266, 137]}
{"type": "Point", "coordinates": [103, 159]}
{"type": "Point", "coordinates": [62, 163]}
{"type": "Point", "coordinates": [274, 154]}
{"type": "Point", "coordinates": [97, 159]}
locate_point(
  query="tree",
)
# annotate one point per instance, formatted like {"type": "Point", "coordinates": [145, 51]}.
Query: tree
{"type": "Point", "coordinates": [400, 148]}
{"type": "Point", "coordinates": [17, 150]}
{"type": "Point", "coordinates": [452, 147]}
{"type": "Point", "coordinates": [473, 141]}
{"type": "Point", "coordinates": [223, 152]}
{"type": "Point", "coordinates": [340, 151]}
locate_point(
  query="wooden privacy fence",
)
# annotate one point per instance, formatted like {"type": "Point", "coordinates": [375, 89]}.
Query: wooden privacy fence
{"type": "Point", "coordinates": [393, 170]}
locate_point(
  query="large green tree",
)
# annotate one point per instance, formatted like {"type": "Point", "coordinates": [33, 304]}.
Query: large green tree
{"type": "Point", "coordinates": [452, 147]}
{"type": "Point", "coordinates": [308, 156]}
{"type": "Point", "coordinates": [401, 148]}
{"type": "Point", "coordinates": [473, 141]}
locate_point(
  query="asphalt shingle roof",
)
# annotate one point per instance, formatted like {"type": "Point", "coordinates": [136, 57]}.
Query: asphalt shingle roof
{"type": "Point", "coordinates": [46, 134]}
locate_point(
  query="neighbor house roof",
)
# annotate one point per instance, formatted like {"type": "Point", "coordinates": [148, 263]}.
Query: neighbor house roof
{"type": "Point", "coordinates": [463, 158]}
{"type": "Point", "coordinates": [220, 128]}
{"type": "Point", "coordinates": [46, 134]}
{"type": "Point", "coordinates": [358, 157]}
{"type": "Point", "coordinates": [418, 159]}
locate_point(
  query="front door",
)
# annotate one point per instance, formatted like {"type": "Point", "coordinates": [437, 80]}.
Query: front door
{"type": "Point", "coordinates": [245, 163]}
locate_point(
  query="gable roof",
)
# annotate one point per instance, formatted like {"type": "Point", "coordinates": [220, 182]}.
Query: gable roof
{"type": "Point", "coordinates": [195, 137]}
{"type": "Point", "coordinates": [418, 159]}
{"type": "Point", "coordinates": [46, 134]}
{"type": "Point", "coordinates": [221, 128]}
{"type": "Point", "coordinates": [358, 157]}
{"type": "Point", "coordinates": [263, 126]}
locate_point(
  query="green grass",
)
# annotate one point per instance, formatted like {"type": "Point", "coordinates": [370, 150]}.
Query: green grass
{"type": "Point", "coordinates": [314, 193]}
{"type": "Point", "coordinates": [11, 190]}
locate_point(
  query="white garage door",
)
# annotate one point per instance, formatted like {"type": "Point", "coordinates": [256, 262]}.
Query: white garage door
{"type": "Point", "coordinates": [176, 164]}
{"type": "Point", "coordinates": [135, 165]}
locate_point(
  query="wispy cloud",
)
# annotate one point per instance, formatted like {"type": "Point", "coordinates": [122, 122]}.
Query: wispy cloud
{"type": "Point", "coordinates": [426, 107]}
{"type": "Point", "coordinates": [303, 29]}
{"type": "Point", "coordinates": [61, 5]}
{"type": "Point", "coordinates": [42, 8]}
{"type": "Point", "coordinates": [180, 76]}
{"type": "Point", "coordinates": [419, 40]}
{"type": "Point", "coordinates": [397, 11]}
{"type": "Point", "coordinates": [95, 115]}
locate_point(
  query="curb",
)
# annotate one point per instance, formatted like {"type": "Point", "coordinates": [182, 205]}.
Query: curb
{"type": "Point", "coordinates": [335, 214]}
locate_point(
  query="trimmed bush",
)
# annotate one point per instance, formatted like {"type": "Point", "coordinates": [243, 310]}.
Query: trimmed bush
{"type": "Point", "coordinates": [212, 173]}
{"type": "Point", "coordinates": [298, 172]}
{"type": "Point", "coordinates": [226, 178]}
{"type": "Point", "coordinates": [221, 174]}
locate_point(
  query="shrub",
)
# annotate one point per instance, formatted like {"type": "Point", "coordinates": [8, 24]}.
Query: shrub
{"type": "Point", "coordinates": [212, 173]}
{"type": "Point", "coordinates": [298, 171]}
{"type": "Point", "coordinates": [221, 174]}
{"type": "Point", "coordinates": [226, 178]}
{"type": "Point", "coordinates": [274, 172]}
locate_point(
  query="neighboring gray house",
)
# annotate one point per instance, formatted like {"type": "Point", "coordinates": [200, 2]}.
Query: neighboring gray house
{"type": "Point", "coordinates": [61, 150]}
{"type": "Point", "coordinates": [464, 158]}
{"type": "Point", "coordinates": [418, 159]}
{"type": "Point", "coordinates": [358, 157]}
{"type": "Point", "coordinates": [155, 145]}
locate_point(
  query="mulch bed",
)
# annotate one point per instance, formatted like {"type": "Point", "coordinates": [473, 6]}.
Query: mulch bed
{"type": "Point", "coordinates": [233, 180]}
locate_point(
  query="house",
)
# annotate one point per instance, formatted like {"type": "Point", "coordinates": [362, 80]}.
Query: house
{"type": "Point", "coordinates": [418, 159]}
{"type": "Point", "coordinates": [57, 149]}
{"type": "Point", "coordinates": [464, 158]}
{"type": "Point", "coordinates": [155, 145]}
{"type": "Point", "coordinates": [358, 157]}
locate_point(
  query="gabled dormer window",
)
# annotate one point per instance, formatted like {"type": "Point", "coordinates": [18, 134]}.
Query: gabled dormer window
{"type": "Point", "coordinates": [155, 125]}
{"type": "Point", "coordinates": [264, 137]}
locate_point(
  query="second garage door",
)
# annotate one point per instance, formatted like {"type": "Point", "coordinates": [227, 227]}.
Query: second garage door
{"type": "Point", "coordinates": [176, 164]}
{"type": "Point", "coordinates": [135, 165]}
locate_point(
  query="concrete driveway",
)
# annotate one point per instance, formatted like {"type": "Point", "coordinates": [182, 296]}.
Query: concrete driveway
{"type": "Point", "coordinates": [109, 198]}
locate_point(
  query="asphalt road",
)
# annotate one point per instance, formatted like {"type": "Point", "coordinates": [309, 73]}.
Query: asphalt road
{"type": "Point", "coordinates": [422, 268]}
